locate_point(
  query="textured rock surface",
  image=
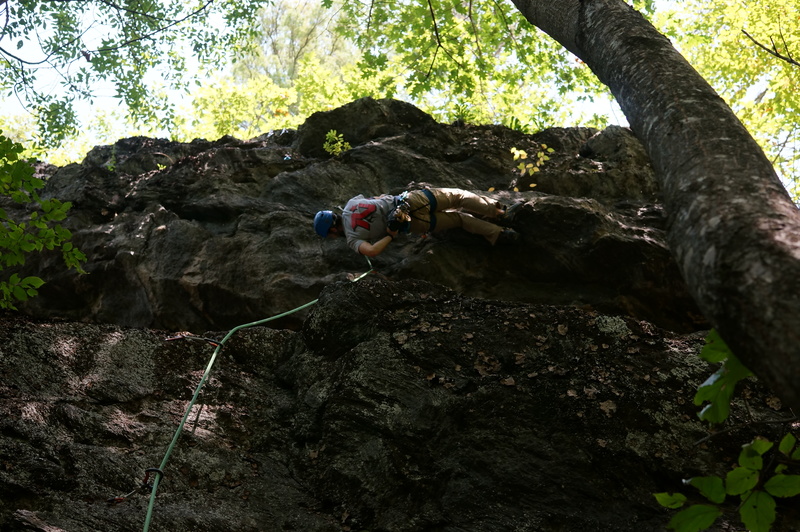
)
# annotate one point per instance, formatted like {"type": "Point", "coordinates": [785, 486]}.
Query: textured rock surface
{"type": "Point", "coordinates": [397, 406]}
{"type": "Point", "coordinates": [208, 235]}
{"type": "Point", "coordinates": [542, 386]}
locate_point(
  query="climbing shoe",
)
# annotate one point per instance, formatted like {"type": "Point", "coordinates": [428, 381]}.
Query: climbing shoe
{"type": "Point", "coordinates": [507, 218]}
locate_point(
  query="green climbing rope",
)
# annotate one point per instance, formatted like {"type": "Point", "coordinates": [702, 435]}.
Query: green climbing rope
{"type": "Point", "coordinates": [203, 380]}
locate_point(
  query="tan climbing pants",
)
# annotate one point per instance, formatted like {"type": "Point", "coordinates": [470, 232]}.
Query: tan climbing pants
{"type": "Point", "coordinates": [453, 208]}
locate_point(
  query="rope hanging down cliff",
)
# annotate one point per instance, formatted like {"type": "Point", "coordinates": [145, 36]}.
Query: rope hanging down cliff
{"type": "Point", "coordinates": [159, 472]}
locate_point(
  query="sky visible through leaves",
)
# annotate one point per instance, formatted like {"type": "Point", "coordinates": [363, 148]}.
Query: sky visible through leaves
{"type": "Point", "coordinates": [532, 85]}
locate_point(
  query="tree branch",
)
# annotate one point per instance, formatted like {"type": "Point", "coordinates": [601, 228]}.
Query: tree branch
{"type": "Point", "coordinates": [475, 30]}
{"type": "Point", "coordinates": [783, 144]}
{"type": "Point", "coordinates": [8, 18]}
{"type": "Point", "coordinates": [499, 10]}
{"type": "Point", "coordinates": [791, 419]}
{"type": "Point", "coordinates": [118, 7]}
{"type": "Point", "coordinates": [774, 50]}
{"type": "Point", "coordinates": [128, 10]}
{"type": "Point", "coordinates": [49, 55]}
{"type": "Point", "coordinates": [156, 31]}
{"type": "Point", "coordinates": [438, 41]}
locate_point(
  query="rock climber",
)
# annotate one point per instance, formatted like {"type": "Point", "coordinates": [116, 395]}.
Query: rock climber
{"type": "Point", "coordinates": [370, 224]}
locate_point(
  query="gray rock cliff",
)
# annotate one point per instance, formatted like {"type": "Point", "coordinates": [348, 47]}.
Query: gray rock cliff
{"type": "Point", "coordinates": [544, 385]}
{"type": "Point", "coordinates": [208, 235]}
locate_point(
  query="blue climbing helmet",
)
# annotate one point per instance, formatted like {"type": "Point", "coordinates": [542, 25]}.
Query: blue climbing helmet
{"type": "Point", "coordinates": [323, 222]}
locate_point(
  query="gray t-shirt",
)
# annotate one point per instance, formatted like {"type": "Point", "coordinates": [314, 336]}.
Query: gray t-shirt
{"type": "Point", "coordinates": [365, 219]}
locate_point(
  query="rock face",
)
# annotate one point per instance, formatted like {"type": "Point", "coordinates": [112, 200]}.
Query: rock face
{"type": "Point", "coordinates": [398, 406]}
{"type": "Point", "coordinates": [541, 386]}
{"type": "Point", "coordinates": [209, 235]}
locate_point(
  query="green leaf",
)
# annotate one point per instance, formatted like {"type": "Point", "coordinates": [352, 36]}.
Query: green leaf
{"type": "Point", "coordinates": [670, 500]}
{"type": "Point", "coordinates": [783, 485]}
{"type": "Point", "coordinates": [761, 445]}
{"type": "Point", "coordinates": [750, 459]}
{"type": "Point", "coordinates": [758, 511]}
{"type": "Point", "coordinates": [694, 518]}
{"type": "Point", "coordinates": [715, 348]}
{"type": "Point", "coordinates": [718, 389]}
{"type": "Point", "coordinates": [740, 480]}
{"type": "Point", "coordinates": [19, 293]}
{"type": "Point", "coordinates": [750, 456]}
{"type": "Point", "coordinates": [712, 488]}
{"type": "Point", "coordinates": [33, 282]}
{"type": "Point", "coordinates": [787, 444]}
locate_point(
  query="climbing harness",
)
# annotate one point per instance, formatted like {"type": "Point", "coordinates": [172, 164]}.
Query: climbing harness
{"type": "Point", "coordinates": [159, 471]}
{"type": "Point", "coordinates": [400, 217]}
{"type": "Point", "coordinates": [433, 206]}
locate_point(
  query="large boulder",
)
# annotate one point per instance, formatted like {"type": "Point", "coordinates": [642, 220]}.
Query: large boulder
{"type": "Point", "coordinates": [208, 235]}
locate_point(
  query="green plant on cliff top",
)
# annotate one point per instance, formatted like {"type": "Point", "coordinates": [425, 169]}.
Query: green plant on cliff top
{"type": "Point", "coordinates": [759, 476]}
{"type": "Point", "coordinates": [335, 143]}
{"type": "Point", "coordinates": [36, 233]}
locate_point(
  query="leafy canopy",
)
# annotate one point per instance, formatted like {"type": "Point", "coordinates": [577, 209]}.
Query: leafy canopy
{"type": "Point", "coordinates": [748, 50]}
{"type": "Point", "coordinates": [74, 47]}
{"type": "Point", "coordinates": [480, 59]}
{"type": "Point", "coordinates": [484, 56]}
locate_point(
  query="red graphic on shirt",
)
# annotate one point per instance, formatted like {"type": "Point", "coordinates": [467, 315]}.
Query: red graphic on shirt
{"type": "Point", "coordinates": [357, 219]}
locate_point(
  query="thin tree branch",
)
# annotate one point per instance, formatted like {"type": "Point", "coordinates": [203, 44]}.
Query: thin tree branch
{"type": "Point", "coordinates": [474, 30]}
{"type": "Point", "coordinates": [498, 8]}
{"type": "Point", "coordinates": [433, 61]}
{"type": "Point", "coordinates": [128, 10]}
{"type": "Point", "coordinates": [773, 51]}
{"type": "Point", "coordinates": [48, 56]}
{"type": "Point", "coordinates": [369, 17]}
{"type": "Point", "coordinates": [116, 6]}
{"type": "Point", "coordinates": [783, 144]}
{"type": "Point", "coordinates": [480, 54]}
{"type": "Point", "coordinates": [156, 31]}
{"type": "Point", "coordinates": [785, 46]}
{"type": "Point", "coordinates": [438, 41]}
{"type": "Point", "coordinates": [8, 18]}
{"type": "Point", "coordinates": [745, 425]}
{"type": "Point", "coordinates": [85, 53]}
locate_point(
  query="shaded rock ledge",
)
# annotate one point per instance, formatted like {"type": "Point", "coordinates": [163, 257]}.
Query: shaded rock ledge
{"type": "Point", "coordinates": [397, 406]}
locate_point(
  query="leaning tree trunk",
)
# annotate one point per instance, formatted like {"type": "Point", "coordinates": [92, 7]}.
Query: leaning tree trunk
{"type": "Point", "coordinates": [732, 226]}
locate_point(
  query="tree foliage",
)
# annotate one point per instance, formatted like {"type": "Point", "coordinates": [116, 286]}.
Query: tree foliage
{"type": "Point", "coordinates": [78, 46]}
{"type": "Point", "coordinates": [755, 480]}
{"type": "Point", "coordinates": [748, 51]}
{"type": "Point", "coordinates": [290, 31]}
{"type": "Point", "coordinates": [445, 56]}
{"type": "Point", "coordinates": [762, 474]}
{"type": "Point", "coordinates": [38, 232]}
{"type": "Point", "coordinates": [480, 56]}
{"type": "Point", "coordinates": [482, 53]}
